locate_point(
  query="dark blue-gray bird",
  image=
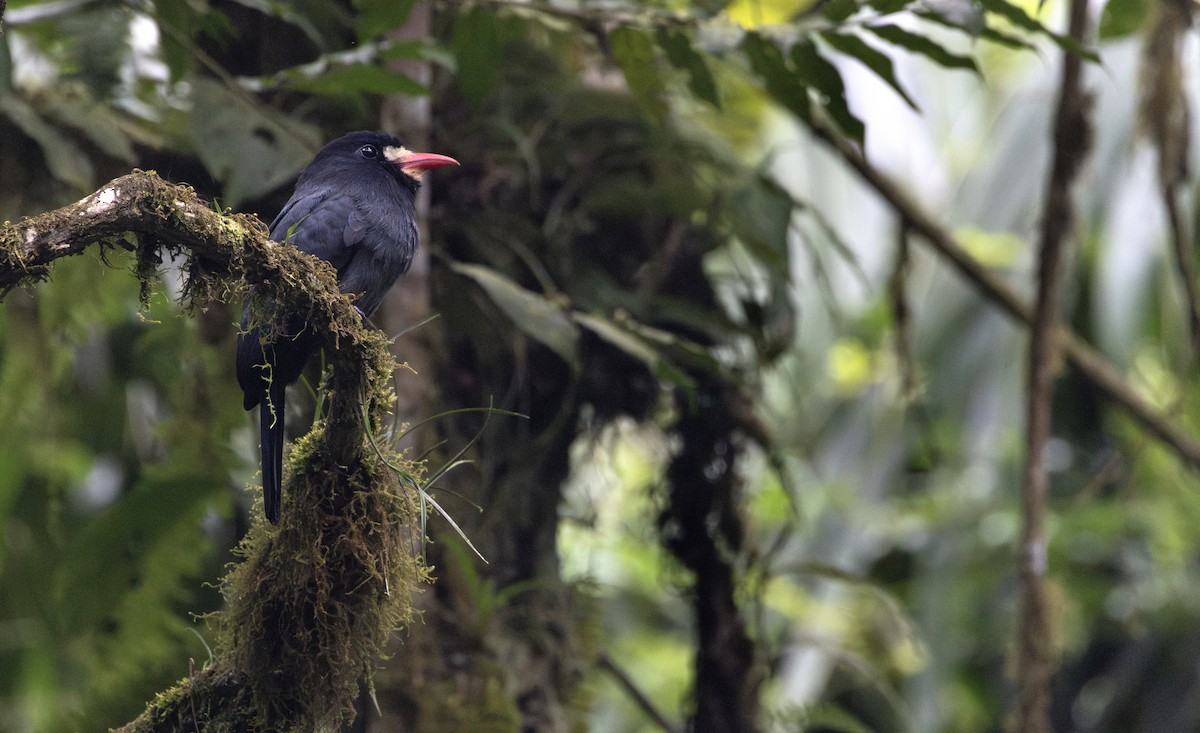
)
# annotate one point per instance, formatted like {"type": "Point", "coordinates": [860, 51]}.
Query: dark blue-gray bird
{"type": "Point", "coordinates": [355, 207]}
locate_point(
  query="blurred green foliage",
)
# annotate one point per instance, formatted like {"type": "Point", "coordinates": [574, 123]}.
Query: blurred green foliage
{"type": "Point", "coordinates": [607, 145]}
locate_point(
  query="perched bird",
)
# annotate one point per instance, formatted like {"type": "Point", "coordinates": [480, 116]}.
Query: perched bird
{"type": "Point", "coordinates": [355, 207]}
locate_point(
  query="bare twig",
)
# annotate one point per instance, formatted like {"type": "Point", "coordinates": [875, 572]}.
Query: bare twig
{"type": "Point", "coordinates": [1035, 626]}
{"type": "Point", "coordinates": [640, 698]}
{"type": "Point", "coordinates": [1184, 252]}
{"type": "Point", "coordinates": [596, 20]}
{"type": "Point", "coordinates": [1088, 362]}
{"type": "Point", "coordinates": [902, 314]}
{"type": "Point", "coordinates": [1164, 119]}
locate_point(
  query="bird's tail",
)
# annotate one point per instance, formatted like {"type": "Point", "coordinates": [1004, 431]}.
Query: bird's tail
{"type": "Point", "coordinates": [270, 418]}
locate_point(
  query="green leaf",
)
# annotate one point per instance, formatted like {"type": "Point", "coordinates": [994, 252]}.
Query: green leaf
{"type": "Point", "coordinates": [976, 26]}
{"type": "Point", "coordinates": [377, 17]}
{"type": "Point", "coordinates": [634, 53]}
{"type": "Point", "coordinates": [411, 49]}
{"type": "Point", "coordinates": [66, 161]}
{"type": "Point", "coordinates": [1005, 39]}
{"type": "Point", "coordinates": [635, 347]}
{"type": "Point", "coordinates": [874, 59]}
{"type": "Point", "coordinates": [287, 13]}
{"type": "Point", "coordinates": [480, 38]}
{"type": "Point", "coordinates": [679, 51]}
{"type": "Point", "coordinates": [1123, 18]}
{"type": "Point", "coordinates": [817, 73]}
{"type": "Point", "coordinates": [767, 61]}
{"type": "Point", "coordinates": [674, 347]}
{"type": "Point", "coordinates": [830, 717]}
{"type": "Point", "coordinates": [762, 217]}
{"type": "Point", "coordinates": [1015, 15]}
{"type": "Point", "coordinates": [923, 46]}
{"type": "Point", "coordinates": [535, 315]}
{"type": "Point", "coordinates": [244, 147]}
{"type": "Point", "coordinates": [887, 7]}
{"type": "Point", "coordinates": [963, 15]}
{"type": "Point", "coordinates": [179, 21]}
{"type": "Point", "coordinates": [357, 79]}
{"type": "Point", "coordinates": [839, 10]}
{"type": "Point", "coordinates": [1018, 17]}
{"type": "Point", "coordinates": [97, 122]}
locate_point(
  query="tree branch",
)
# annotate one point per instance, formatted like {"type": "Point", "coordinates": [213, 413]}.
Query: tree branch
{"type": "Point", "coordinates": [142, 211]}
{"type": "Point", "coordinates": [1089, 363]}
{"type": "Point", "coordinates": [1035, 627]}
{"type": "Point", "coordinates": [41, 12]}
{"type": "Point", "coordinates": [1164, 116]}
{"type": "Point", "coordinates": [640, 698]}
{"type": "Point", "coordinates": [702, 528]}
{"type": "Point", "coordinates": [313, 600]}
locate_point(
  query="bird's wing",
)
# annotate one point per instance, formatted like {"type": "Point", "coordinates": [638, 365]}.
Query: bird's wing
{"type": "Point", "coordinates": [312, 221]}
{"type": "Point", "coordinates": [382, 252]}
{"type": "Point", "coordinates": [316, 223]}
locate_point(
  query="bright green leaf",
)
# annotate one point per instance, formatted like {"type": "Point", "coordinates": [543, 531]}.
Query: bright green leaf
{"type": "Point", "coordinates": [1123, 18]}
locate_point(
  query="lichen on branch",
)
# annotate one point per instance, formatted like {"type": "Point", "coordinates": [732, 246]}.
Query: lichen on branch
{"type": "Point", "coordinates": [312, 601]}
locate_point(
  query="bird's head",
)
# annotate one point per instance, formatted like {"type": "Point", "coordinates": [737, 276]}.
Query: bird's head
{"type": "Point", "coordinates": [360, 153]}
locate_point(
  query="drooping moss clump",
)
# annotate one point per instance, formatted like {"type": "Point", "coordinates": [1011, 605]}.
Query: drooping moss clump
{"type": "Point", "coordinates": [315, 598]}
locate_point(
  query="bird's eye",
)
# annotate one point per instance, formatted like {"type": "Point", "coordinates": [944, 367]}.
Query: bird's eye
{"type": "Point", "coordinates": [370, 152]}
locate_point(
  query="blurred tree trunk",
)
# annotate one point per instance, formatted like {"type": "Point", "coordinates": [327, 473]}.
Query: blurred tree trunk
{"type": "Point", "coordinates": [505, 644]}
{"type": "Point", "coordinates": [409, 302]}
{"type": "Point", "coordinates": [464, 669]}
{"type": "Point", "coordinates": [702, 527]}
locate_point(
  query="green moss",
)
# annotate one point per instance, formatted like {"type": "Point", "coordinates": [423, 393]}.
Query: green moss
{"type": "Point", "coordinates": [315, 598]}
{"type": "Point", "coordinates": [488, 708]}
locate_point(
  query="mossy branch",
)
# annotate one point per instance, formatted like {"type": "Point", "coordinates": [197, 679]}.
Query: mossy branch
{"type": "Point", "coordinates": [312, 601]}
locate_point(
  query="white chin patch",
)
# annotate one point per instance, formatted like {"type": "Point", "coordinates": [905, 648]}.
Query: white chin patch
{"type": "Point", "coordinates": [397, 154]}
